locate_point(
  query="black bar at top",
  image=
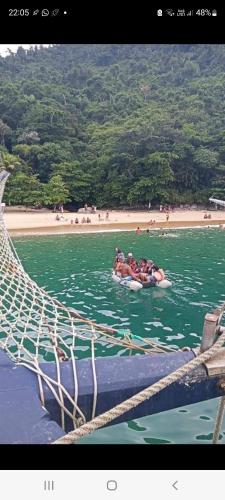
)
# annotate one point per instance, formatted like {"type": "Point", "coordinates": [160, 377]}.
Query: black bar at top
{"type": "Point", "coordinates": [97, 24]}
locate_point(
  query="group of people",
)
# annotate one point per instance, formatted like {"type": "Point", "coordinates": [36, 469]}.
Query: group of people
{"type": "Point", "coordinates": [145, 271]}
{"type": "Point", "coordinates": [106, 216]}
{"type": "Point", "coordinates": [60, 217]}
{"type": "Point", "coordinates": [83, 220]}
{"type": "Point", "coordinates": [75, 221]}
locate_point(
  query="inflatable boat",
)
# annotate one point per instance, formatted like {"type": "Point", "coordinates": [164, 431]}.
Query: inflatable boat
{"type": "Point", "coordinates": [136, 285]}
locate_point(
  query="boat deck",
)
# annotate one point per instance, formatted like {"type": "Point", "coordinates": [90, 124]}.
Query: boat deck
{"type": "Point", "coordinates": [24, 420]}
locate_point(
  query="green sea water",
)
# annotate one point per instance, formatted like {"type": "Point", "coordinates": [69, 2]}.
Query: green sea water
{"type": "Point", "coordinates": [76, 269]}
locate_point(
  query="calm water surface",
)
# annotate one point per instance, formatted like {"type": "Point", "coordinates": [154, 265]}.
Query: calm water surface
{"type": "Point", "coordinates": [77, 270]}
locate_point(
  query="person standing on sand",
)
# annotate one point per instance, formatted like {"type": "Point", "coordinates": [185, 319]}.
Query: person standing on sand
{"type": "Point", "coordinates": [107, 215]}
{"type": "Point", "coordinates": [99, 217]}
{"type": "Point", "coordinates": [167, 216]}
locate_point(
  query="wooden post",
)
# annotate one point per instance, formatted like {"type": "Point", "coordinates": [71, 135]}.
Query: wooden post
{"type": "Point", "coordinates": [211, 328]}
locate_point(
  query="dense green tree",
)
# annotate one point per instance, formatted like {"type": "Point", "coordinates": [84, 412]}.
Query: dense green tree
{"type": "Point", "coordinates": [4, 131]}
{"type": "Point", "coordinates": [55, 192]}
{"type": "Point", "coordinates": [42, 158]}
{"type": "Point", "coordinates": [76, 180]}
{"type": "Point", "coordinates": [12, 163]}
{"type": "Point", "coordinates": [120, 124]}
{"type": "Point", "coordinates": [24, 189]}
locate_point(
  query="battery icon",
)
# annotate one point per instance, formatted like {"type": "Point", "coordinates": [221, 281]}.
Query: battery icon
{"type": "Point", "coordinates": [214, 12]}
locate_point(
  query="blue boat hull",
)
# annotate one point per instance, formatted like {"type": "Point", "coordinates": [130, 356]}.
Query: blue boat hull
{"type": "Point", "coordinates": [23, 420]}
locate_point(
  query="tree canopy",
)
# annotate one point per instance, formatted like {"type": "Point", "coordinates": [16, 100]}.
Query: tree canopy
{"type": "Point", "coordinates": [113, 125]}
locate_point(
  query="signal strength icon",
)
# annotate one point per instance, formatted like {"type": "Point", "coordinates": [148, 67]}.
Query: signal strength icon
{"type": "Point", "coordinates": [170, 12]}
{"type": "Point", "coordinates": [190, 13]}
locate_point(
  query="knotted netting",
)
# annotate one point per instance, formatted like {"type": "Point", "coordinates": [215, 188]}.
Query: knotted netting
{"type": "Point", "coordinates": [33, 323]}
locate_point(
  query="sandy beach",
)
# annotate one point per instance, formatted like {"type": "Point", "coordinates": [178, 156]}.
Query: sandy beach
{"type": "Point", "coordinates": [27, 223]}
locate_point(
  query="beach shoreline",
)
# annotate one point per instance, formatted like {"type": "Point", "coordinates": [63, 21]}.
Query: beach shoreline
{"type": "Point", "coordinates": [45, 223]}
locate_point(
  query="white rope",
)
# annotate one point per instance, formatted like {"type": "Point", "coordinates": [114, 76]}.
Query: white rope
{"type": "Point", "coordinates": [219, 420]}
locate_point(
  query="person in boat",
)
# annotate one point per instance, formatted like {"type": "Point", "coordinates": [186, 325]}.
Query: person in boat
{"type": "Point", "coordinates": [134, 265]}
{"type": "Point", "coordinates": [145, 265]}
{"type": "Point", "coordinates": [157, 273]}
{"type": "Point", "coordinates": [132, 262]}
{"type": "Point", "coordinates": [154, 274]}
{"type": "Point", "coordinates": [119, 255]}
{"type": "Point", "coordinates": [149, 278]}
{"type": "Point", "coordinates": [124, 270]}
{"type": "Point", "coordinates": [145, 271]}
{"type": "Point", "coordinates": [129, 258]}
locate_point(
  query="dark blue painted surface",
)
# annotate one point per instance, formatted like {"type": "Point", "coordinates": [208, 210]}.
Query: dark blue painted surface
{"type": "Point", "coordinates": [121, 377]}
{"type": "Point", "coordinates": [23, 420]}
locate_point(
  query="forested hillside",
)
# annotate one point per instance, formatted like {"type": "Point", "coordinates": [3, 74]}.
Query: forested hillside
{"type": "Point", "coordinates": [113, 125]}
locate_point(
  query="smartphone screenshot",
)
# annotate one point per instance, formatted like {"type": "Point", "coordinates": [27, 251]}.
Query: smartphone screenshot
{"type": "Point", "coordinates": [112, 218]}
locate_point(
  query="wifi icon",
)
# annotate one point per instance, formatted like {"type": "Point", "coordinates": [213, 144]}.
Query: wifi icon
{"type": "Point", "coordinates": [170, 12]}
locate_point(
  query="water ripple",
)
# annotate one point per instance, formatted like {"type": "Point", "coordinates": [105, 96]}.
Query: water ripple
{"type": "Point", "coordinates": [194, 262]}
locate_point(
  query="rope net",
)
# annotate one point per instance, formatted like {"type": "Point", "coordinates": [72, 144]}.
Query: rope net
{"type": "Point", "coordinates": [32, 323]}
